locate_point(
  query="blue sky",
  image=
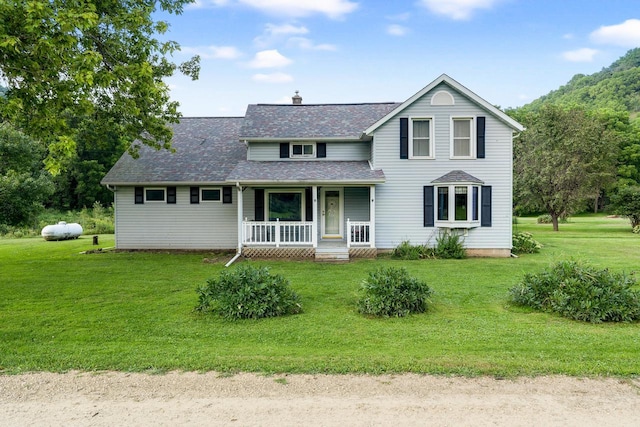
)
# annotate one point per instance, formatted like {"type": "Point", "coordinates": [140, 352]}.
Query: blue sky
{"type": "Point", "coordinates": [509, 52]}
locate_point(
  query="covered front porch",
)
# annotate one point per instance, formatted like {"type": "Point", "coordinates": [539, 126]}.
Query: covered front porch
{"type": "Point", "coordinates": [301, 222]}
{"type": "Point", "coordinates": [304, 208]}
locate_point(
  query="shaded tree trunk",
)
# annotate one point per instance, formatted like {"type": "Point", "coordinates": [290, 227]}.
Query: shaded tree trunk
{"type": "Point", "coordinates": [554, 221]}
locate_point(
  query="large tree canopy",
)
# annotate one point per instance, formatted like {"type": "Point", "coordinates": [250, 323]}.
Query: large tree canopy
{"type": "Point", "coordinates": [24, 186]}
{"type": "Point", "coordinates": [564, 157]}
{"type": "Point", "coordinates": [88, 60]}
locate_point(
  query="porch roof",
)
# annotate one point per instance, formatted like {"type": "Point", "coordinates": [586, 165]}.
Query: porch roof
{"type": "Point", "coordinates": [307, 172]}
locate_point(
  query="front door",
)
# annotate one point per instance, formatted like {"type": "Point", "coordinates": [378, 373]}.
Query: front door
{"type": "Point", "coordinates": [332, 213]}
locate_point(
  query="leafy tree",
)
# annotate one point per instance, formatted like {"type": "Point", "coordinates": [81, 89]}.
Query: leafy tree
{"type": "Point", "coordinates": [626, 202]}
{"type": "Point", "coordinates": [24, 186]}
{"type": "Point", "coordinates": [564, 157]}
{"type": "Point", "coordinates": [90, 59]}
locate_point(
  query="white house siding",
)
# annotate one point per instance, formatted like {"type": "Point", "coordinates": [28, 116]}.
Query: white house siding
{"type": "Point", "coordinates": [356, 204]}
{"type": "Point", "coordinates": [399, 201]}
{"type": "Point", "coordinates": [346, 151]}
{"type": "Point", "coordinates": [158, 225]}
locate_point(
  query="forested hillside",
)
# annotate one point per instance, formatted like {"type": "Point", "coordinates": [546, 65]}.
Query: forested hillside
{"type": "Point", "coordinates": [616, 87]}
{"type": "Point", "coordinates": [609, 99]}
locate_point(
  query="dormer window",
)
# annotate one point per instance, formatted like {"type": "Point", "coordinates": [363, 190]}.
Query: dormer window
{"type": "Point", "coordinates": [299, 150]}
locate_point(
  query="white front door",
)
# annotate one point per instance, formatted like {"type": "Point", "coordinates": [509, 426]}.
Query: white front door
{"type": "Point", "coordinates": [332, 213]}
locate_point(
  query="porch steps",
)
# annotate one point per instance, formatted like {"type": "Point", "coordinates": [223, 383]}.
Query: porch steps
{"type": "Point", "coordinates": [332, 254]}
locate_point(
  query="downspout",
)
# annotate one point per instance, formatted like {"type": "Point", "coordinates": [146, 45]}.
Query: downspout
{"type": "Point", "coordinates": [239, 250]}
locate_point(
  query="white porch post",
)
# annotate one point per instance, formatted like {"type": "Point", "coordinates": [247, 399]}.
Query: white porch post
{"type": "Point", "coordinates": [314, 227]}
{"type": "Point", "coordinates": [372, 216]}
{"type": "Point", "coordinates": [240, 216]}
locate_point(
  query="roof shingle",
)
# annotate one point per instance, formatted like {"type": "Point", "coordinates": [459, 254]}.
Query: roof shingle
{"type": "Point", "coordinates": [207, 149]}
{"type": "Point", "coordinates": [347, 121]}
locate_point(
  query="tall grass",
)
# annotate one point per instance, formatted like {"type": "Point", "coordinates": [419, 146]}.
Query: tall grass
{"type": "Point", "coordinates": [128, 311]}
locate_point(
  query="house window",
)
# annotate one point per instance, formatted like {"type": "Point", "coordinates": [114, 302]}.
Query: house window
{"type": "Point", "coordinates": [303, 150]}
{"type": "Point", "coordinates": [421, 137]}
{"type": "Point", "coordinates": [210, 194]}
{"type": "Point", "coordinates": [462, 138]}
{"type": "Point", "coordinates": [154, 194]}
{"type": "Point", "coordinates": [286, 206]}
{"type": "Point", "coordinates": [460, 210]}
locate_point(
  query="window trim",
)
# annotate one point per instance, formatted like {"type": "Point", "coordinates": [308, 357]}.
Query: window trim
{"type": "Point", "coordinates": [472, 206]}
{"type": "Point", "coordinates": [430, 119]}
{"type": "Point", "coordinates": [472, 137]}
{"type": "Point", "coordinates": [203, 189]}
{"type": "Point", "coordinates": [303, 156]}
{"type": "Point", "coordinates": [267, 194]}
{"type": "Point", "coordinates": [164, 194]}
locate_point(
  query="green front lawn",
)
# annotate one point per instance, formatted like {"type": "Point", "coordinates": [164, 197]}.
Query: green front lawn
{"type": "Point", "coordinates": [61, 310]}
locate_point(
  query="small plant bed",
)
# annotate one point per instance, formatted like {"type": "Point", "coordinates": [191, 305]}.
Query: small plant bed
{"type": "Point", "coordinates": [248, 292]}
{"type": "Point", "coordinates": [392, 292]}
{"type": "Point", "coordinates": [580, 292]}
{"type": "Point", "coordinates": [448, 246]}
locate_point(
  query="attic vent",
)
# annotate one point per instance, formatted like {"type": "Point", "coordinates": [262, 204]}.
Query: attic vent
{"type": "Point", "coordinates": [297, 99]}
{"type": "Point", "coordinates": [442, 98]}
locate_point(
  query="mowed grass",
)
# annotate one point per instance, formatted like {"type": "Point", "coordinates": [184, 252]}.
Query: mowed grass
{"type": "Point", "coordinates": [62, 310]}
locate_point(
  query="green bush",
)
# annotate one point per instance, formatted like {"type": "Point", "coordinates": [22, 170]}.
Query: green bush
{"type": "Point", "coordinates": [524, 243]}
{"type": "Point", "coordinates": [392, 292]}
{"type": "Point", "coordinates": [248, 292]}
{"type": "Point", "coordinates": [546, 219]}
{"type": "Point", "coordinates": [450, 245]}
{"type": "Point", "coordinates": [580, 292]}
{"type": "Point", "coordinates": [407, 251]}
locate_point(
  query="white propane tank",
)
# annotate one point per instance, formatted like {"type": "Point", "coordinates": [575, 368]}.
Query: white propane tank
{"type": "Point", "coordinates": [62, 231]}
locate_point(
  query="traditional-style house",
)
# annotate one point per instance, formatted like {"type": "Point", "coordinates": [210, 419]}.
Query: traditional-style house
{"type": "Point", "coordinates": [326, 180]}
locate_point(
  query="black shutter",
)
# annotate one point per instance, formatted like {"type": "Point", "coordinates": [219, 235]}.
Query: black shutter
{"type": "Point", "coordinates": [139, 195]}
{"type": "Point", "coordinates": [284, 150]}
{"type": "Point", "coordinates": [485, 211]}
{"type": "Point", "coordinates": [171, 195]}
{"type": "Point", "coordinates": [428, 206]}
{"type": "Point", "coordinates": [227, 194]}
{"type": "Point", "coordinates": [321, 148]}
{"type": "Point", "coordinates": [480, 126]}
{"type": "Point", "coordinates": [308, 204]}
{"type": "Point", "coordinates": [195, 195]}
{"type": "Point", "coordinates": [259, 204]}
{"type": "Point", "coordinates": [404, 138]}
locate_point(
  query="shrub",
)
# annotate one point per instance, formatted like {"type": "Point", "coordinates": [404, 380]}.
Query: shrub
{"type": "Point", "coordinates": [546, 219]}
{"type": "Point", "coordinates": [407, 251]}
{"type": "Point", "coordinates": [392, 292]}
{"type": "Point", "coordinates": [580, 292]}
{"type": "Point", "coordinates": [248, 292]}
{"type": "Point", "coordinates": [450, 246]}
{"type": "Point", "coordinates": [524, 243]}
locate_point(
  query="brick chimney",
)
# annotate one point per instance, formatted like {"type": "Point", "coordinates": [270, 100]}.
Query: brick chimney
{"type": "Point", "coordinates": [297, 99]}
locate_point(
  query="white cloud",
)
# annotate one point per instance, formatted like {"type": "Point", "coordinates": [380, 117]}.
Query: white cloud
{"type": "Point", "coordinates": [626, 34]}
{"type": "Point", "coordinates": [306, 44]}
{"type": "Point", "coordinates": [274, 33]}
{"type": "Point", "coordinates": [459, 10]}
{"type": "Point", "coordinates": [399, 17]}
{"type": "Point", "coordinates": [397, 30]}
{"type": "Point", "coordinates": [213, 52]}
{"type": "Point", "coordinates": [334, 9]}
{"type": "Point", "coordinates": [272, 78]}
{"type": "Point", "coordinates": [580, 55]}
{"type": "Point", "coordinates": [269, 59]}
{"type": "Point", "coordinates": [285, 29]}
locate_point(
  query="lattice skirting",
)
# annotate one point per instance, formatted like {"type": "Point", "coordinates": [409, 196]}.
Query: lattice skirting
{"type": "Point", "coordinates": [291, 253]}
{"type": "Point", "coordinates": [363, 252]}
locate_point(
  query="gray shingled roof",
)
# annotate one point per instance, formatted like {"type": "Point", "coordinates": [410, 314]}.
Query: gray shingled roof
{"type": "Point", "coordinates": [305, 171]}
{"type": "Point", "coordinates": [457, 176]}
{"type": "Point", "coordinates": [207, 149]}
{"type": "Point", "coordinates": [348, 121]}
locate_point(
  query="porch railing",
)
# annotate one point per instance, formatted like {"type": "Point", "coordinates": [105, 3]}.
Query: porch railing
{"type": "Point", "coordinates": [277, 233]}
{"type": "Point", "coordinates": [359, 233]}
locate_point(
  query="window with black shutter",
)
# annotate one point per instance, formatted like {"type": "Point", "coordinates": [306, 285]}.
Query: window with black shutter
{"type": "Point", "coordinates": [404, 138]}
{"type": "Point", "coordinates": [227, 194]}
{"type": "Point", "coordinates": [139, 195]}
{"type": "Point", "coordinates": [171, 195]}
{"type": "Point", "coordinates": [259, 204]}
{"type": "Point", "coordinates": [480, 130]}
{"type": "Point", "coordinates": [194, 195]}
